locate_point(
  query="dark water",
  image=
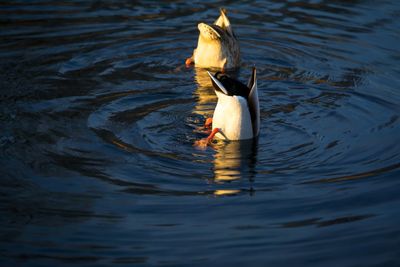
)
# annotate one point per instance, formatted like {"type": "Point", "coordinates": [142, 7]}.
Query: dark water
{"type": "Point", "coordinates": [98, 116]}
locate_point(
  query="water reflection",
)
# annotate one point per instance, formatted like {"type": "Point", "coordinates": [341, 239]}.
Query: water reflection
{"type": "Point", "coordinates": [203, 80]}
{"type": "Point", "coordinates": [97, 115]}
{"type": "Point", "coordinates": [235, 160]}
{"type": "Point", "coordinates": [206, 98]}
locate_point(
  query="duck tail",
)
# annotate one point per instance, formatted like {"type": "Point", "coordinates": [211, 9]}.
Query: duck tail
{"type": "Point", "coordinates": [223, 11]}
{"type": "Point", "coordinates": [223, 21]}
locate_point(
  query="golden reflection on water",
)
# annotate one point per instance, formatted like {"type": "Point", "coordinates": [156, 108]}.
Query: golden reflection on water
{"type": "Point", "coordinates": [227, 162]}
{"type": "Point", "coordinates": [234, 160]}
{"type": "Point", "coordinates": [201, 77]}
{"type": "Point", "coordinates": [206, 98]}
{"type": "Point", "coordinates": [226, 192]}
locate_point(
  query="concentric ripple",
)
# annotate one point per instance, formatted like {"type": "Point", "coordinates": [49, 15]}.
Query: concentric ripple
{"type": "Point", "coordinates": [99, 116]}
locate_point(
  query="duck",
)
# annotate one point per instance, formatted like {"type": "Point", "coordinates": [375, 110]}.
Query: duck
{"type": "Point", "coordinates": [237, 113]}
{"type": "Point", "coordinates": [217, 45]}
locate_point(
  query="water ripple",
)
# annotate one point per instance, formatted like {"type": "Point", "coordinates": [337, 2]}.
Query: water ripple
{"type": "Point", "coordinates": [99, 116]}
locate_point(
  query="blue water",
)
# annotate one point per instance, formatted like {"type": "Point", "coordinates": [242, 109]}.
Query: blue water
{"type": "Point", "coordinates": [98, 118]}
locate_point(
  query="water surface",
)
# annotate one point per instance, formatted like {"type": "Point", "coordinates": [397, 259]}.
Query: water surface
{"type": "Point", "coordinates": [99, 115]}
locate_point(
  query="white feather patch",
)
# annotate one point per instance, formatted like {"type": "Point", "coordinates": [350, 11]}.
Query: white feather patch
{"type": "Point", "coordinates": [232, 117]}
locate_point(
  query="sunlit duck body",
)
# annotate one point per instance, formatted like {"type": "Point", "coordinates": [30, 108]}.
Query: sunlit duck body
{"type": "Point", "coordinates": [217, 46]}
{"type": "Point", "coordinates": [237, 114]}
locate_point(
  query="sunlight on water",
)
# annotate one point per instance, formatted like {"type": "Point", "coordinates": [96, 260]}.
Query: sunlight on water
{"type": "Point", "coordinates": [99, 115]}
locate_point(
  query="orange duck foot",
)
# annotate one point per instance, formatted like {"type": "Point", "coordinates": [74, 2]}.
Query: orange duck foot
{"type": "Point", "coordinates": [208, 123]}
{"type": "Point", "coordinates": [189, 61]}
{"type": "Point", "coordinates": [204, 142]}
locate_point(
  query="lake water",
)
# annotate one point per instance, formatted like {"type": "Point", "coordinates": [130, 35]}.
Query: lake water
{"type": "Point", "coordinates": [99, 115]}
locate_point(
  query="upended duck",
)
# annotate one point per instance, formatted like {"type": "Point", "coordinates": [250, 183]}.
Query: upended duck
{"type": "Point", "coordinates": [237, 114]}
{"type": "Point", "coordinates": [217, 45]}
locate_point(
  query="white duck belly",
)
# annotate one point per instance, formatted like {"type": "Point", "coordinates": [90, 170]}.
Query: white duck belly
{"type": "Point", "coordinates": [232, 118]}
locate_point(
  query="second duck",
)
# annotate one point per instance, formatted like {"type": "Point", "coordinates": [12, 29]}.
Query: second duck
{"type": "Point", "coordinates": [217, 46]}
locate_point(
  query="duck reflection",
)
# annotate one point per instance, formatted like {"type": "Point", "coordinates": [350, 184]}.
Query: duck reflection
{"type": "Point", "coordinates": [206, 98]}
{"type": "Point", "coordinates": [235, 160]}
